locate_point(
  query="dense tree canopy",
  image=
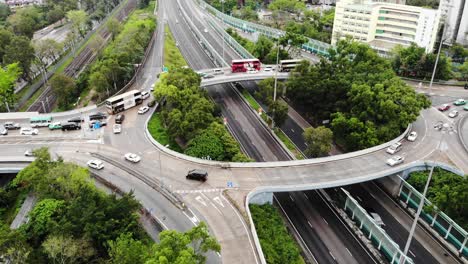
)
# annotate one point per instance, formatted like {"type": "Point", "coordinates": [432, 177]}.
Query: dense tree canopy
{"type": "Point", "coordinates": [359, 92]}
{"type": "Point", "coordinates": [447, 191]}
{"type": "Point", "coordinates": [8, 77]}
{"type": "Point", "coordinates": [319, 141]}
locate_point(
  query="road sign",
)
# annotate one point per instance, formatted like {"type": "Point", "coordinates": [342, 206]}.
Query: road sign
{"type": "Point", "coordinates": [97, 125]}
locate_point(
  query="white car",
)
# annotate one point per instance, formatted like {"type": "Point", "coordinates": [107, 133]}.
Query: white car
{"type": "Point", "coordinates": [117, 128]}
{"type": "Point", "coordinates": [205, 30]}
{"type": "Point", "coordinates": [412, 136]}
{"type": "Point", "coordinates": [453, 114]}
{"type": "Point", "coordinates": [268, 69]}
{"type": "Point", "coordinates": [132, 157]}
{"type": "Point", "coordinates": [250, 71]}
{"type": "Point", "coordinates": [394, 148]}
{"type": "Point", "coordinates": [29, 153]}
{"type": "Point", "coordinates": [144, 95]}
{"type": "Point", "coordinates": [143, 110]}
{"type": "Point", "coordinates": [395, 160]}
{"type": "Point", "coordinates": [377, 219]}
{"type": "Point", "coordinates": [95, 164]}
{"type": "Point", "coordinates": [152, 87]}
{"type": "Point", "coordinates": [29, 131]}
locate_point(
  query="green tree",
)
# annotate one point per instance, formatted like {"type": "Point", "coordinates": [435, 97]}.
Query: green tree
{"type": "Point", "coordinates": [266, 90]}
{"type": "Point", "coordinates": [22, 25]}
{"type": "Point", "coordinates": [8, 77]}
{"type": "Point", "coordinates": [279, 112]}
{"type": "Point", "coordinates": [4, 11]}
{"type": "Point", "coordinates": [464, 71]}
{"type": "Point", "coordinates": [127, 250]}
{"type": "Point", "coordinates": [47, 50]}
{"type": "Point", "coordinates": [113, 26]}
{"type": "Point", "coordinates": [42, 219]}
{"type": "Point", "coordinates": [20, 51]}
{"type": "Point", "coordinates": [79, 21]}
{"type": "Point", "coordinates": [206, 146]}
{"type": "Point", "coordinates": [63, 249]}
{"type": "Point", "coordinates": [5, 39]}
{"type": "Point", "coordinates": [13, 245]}
{"type": "Point", "coordinates": [262, 47]}
{"type": "Point", "coordinates": [290, 6]}
{"type": "Point", "coordinates": [64, 87]}
{"type": "Point", "coordinates": [319, 141]}
{"type": "Point", "coordinates": [188, 247]}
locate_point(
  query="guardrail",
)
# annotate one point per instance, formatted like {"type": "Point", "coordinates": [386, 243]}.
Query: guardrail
{"type": "Point", "coordinates": [461, 123]}
{"type": "Point", "coordinates": [312, 45]}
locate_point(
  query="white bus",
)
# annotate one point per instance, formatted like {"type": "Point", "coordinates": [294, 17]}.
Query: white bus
{"type": "Point", "coordinates": [288, 65]}
{"type": "Point", "coordinates": [123, 101]}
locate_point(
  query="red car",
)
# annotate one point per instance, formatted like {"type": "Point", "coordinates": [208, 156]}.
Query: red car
{"type": "Point", "coordinates": [444, 107]}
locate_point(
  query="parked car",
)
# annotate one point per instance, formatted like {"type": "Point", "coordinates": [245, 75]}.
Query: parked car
{"type": "Point", "coordinates": [145, 95]}
{"type": "Point", "coordinates": [11, 125]}
{"type": "Point", "coordinates": [444, 107]}
{"type": "Point", "coordinates": [394, 148]}
{"type": "Point", "coordinates": [95, 164]}
{"type": "Point", "coordinates": [117, 128]}
{"type": "Point", "coordinates": [132, 157]}
{"type": "Point", "coordinates": [71, 126]}
{"type": "Point", "coordinates": [143, 110]}
{"type": "Point", "coordinates": [119, 119]}
{"type": "Point", "coordinates": [29, 153]}
{"type": "Point", "coordinates": [199, 175]}
{"type": "Point", "coordinates": [55, 125]}
{"type": "Point", "coordinates": [453, 114]}
{"type": "Point", "coordinates": [460, 102]}
{"type": "Point", "coordinates": [29, 131]}
{"type": "Point", "coordinates": [395, 160]}
{"type": "Point", "coordinates": [101, 123]}
{"type": "Point", "coordinates": [412, 136]}
{"type": "Point", "coordinates": [3, 131]}
{"type": "Point", "coordinates": [76, 119]}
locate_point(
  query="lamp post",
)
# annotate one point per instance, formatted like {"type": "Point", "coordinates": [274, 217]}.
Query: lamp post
{"type": "Point", "coordinates": [222, 35]}
{"type": "Point", "coordinates": [446, 128]}
{"type": "Point", "coordinates": [276, 70]}
{"type": "Point", "coordinates": [442, 39]}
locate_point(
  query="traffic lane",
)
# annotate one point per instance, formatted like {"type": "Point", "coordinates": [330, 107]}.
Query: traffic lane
{"type": "Point", "coordinates": [321, 254]}
{"type": "Point", "coordinates": [393, 227]}
{"type": "Point", "coordinates": [342, 245]}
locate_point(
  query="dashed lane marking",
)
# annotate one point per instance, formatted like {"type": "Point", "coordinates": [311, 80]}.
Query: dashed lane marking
{"type": "Point", "coordinates": [199, 191]}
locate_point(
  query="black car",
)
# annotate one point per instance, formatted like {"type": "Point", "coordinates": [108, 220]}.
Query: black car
{"type": "Point", "coordinates": [75, 120]}
{"type": "Point", "coordinates": [198, 175]}
{"type": "Point", "coordinates": [97, 116]}
{"type": "Point", "coordinates": [11, 125]}
{"type": "Point", "coordinates": [102, 123]}
{"type": "Point", "coordinates": [71, 126]}
{"type": "Point", "coordinates": [119, 119]}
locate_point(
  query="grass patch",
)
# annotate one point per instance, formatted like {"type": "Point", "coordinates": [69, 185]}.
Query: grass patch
{"type": "Point", "coordinates": [160, 134]}
{"type": "Point", "coordinates": [33, 98]}
{"type": "Point", "coordinates": [288, 143]}
{"type": "Point", "coordinates": [172, 56]}
{"type": "Point", "coordinates": [277, 244]}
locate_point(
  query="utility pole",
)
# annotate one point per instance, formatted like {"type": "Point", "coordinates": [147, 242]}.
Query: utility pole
{"type": "Point", "coordinates": [437, 58]}
{"type": "Point", "coordinates": [222, 35]}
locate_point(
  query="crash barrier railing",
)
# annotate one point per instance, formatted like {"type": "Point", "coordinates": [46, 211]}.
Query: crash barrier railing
{"type": "Point", "coordinates": [440, 222]}
{"type": "Point", "coordinates": [374, 232]}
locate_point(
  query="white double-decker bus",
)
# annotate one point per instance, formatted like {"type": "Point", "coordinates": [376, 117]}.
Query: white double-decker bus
{"type": "Point", "coordinates": [288, 65]}
{"type": "Point", "coordinates": [123, 101]}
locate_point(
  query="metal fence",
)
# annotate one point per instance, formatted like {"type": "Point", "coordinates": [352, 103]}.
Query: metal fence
{"type": "Point", "coordinates": [312, 45]}
{"type": "Point", "coordinates": [440, 222]}
{"type": "Point", "coordinates": [231, 41]}
{"type": "Point", "coordinates": [377, 235]}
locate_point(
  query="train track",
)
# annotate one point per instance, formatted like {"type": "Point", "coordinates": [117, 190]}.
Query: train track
{"type": "Point", "coordinates": [47, 99]}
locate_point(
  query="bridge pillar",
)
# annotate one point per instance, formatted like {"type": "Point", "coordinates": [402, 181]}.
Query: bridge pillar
{"type": "Point", "coordinates": [262, 198]}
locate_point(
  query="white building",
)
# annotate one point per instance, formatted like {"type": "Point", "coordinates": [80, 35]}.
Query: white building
{"type": "Point", "coordinates": [383, 25]}
{"type": "Point", "coordinates": [456, 13]}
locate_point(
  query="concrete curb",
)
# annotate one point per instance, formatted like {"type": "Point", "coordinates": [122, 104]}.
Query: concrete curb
{"type": "Point", "coordinates": [460, 137]}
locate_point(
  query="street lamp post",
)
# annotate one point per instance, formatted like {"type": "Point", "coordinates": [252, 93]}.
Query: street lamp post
{"type": "Point", "coordinates": [437, 58]}
{"type": "Point", "coordinates": [446, 129]}
{"type": "Point", "coordinates": [276, 80]}
{"type": "Point", "coordinates": [222, 35]}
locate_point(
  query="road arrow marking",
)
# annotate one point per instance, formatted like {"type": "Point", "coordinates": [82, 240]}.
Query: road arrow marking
{"type": "Point", "coordinates": [218, 200]}
{"type": "Point", "coordinates": [200, 199]}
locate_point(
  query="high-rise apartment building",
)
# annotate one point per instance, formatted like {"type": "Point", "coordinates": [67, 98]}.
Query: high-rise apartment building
{"type": "Point", "coordinates": [383, 25]}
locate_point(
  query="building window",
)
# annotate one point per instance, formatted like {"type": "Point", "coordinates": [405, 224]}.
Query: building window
{"type": "Point", "coordinates": [379, 31]}
{"type": "Point", "coordinates": [381, 18]}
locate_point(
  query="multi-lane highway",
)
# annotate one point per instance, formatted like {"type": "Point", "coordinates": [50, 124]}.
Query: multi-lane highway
{"type": "Point", "coordinates": [206, 201]}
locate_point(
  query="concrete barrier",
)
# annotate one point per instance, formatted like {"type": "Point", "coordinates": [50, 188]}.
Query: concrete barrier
{"type": "Point", "coordinates": [461, 123]}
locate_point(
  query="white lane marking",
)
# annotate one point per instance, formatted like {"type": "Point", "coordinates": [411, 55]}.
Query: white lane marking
{"type": "Point", "coordinates": [217, 253]}
{"type": "Point", "coordinates": [349, 252]}
{"type": "Point", "coordinates": [359, 198]}
{"type": "Point", "coordinates": [292, 130]}
{"type": "Point", "coordinates": [200, 200]}
{"type": "Point", "coordinates": [411, 252]}
{"type": "Point", "coordinates": [218, 200]}
{"type": "Point", "coordinates": [291, 198]}
{"type": "Point", "coordinates": [193, 219]}
{"type": "Point", "coordinates": [332, 255]}
{"type": "Point", "coordinates": [325, 221]}
{"type": "Point", "coordinates": [310, 224]}
{"type": "Point", "coordinates": [245, 227]}
{"type": "Point", "coordinates": [212, 204]}
{"type": "Point", "coordinates": [307, 197]}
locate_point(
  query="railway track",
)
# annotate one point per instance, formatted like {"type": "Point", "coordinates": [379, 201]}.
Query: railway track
{"type": "Point", "coordinates": [44, 103]}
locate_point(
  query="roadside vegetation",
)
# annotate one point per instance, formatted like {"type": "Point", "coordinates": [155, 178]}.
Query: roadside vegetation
{"type": "Point", "coordinates": [172, 57]}
{"type": "Point", "coordinates": [192, 119]}
{"type": "Point", "coordinates": [114, 67]}
{"type": "Point", "coordinates": [447, 191]}
{"type": "Point", "coordinates": [278, 246]}
{"type": "Point", "coordinates": [17, 29]}
{"type": "Point", "coordinates": [74, 222]}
